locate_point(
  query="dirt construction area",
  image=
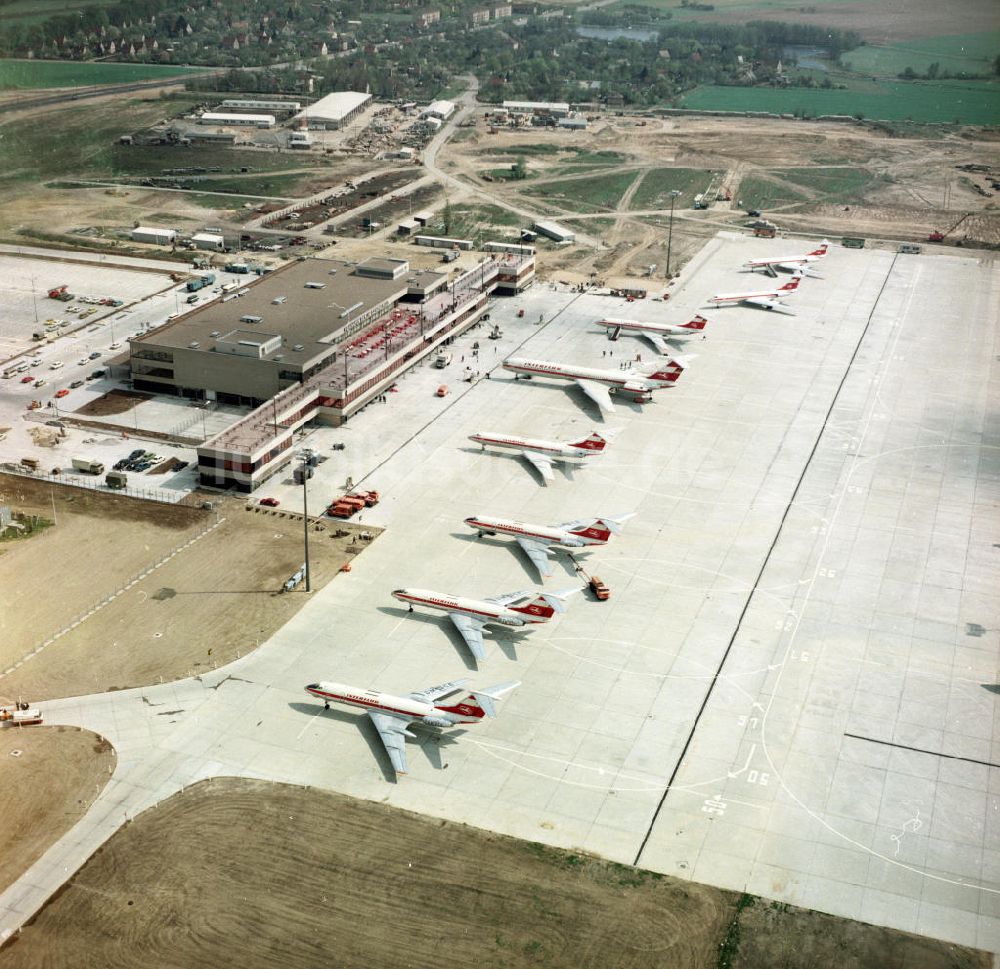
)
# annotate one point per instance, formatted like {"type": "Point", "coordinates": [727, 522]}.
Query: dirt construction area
{"type": "Point", "coordinates": [160, 591]}
{"type": "Point", "coordinates": [49, 777]}
{"type": "Point", "coordinates": [611, 184]}
{"type": "Point", "coordinates": [317, 879]}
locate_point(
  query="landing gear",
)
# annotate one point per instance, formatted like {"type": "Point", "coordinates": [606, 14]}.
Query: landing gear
{"type": "Point", "coordinates": [326, 706]}
{"type": "Point", "coordinates": [411, 608]}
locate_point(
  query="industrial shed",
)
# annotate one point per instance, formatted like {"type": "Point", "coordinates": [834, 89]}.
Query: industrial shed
{"type": "Point", "coordinates": [335, 110]}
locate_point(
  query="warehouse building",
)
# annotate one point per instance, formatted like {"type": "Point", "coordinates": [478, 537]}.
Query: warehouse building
{"type": "Point", "coordinates": [442, 110]}
{"type": "Point", "coordinates": [555, 231]}
{"type": "Point", "coordinates": [157, 237]}
{"type": "Point", "coordinates": [554, 109]}
{"type": "Point", "coordinates": [314, 340]}
{"type": "Point", "coordinates": [334, 111]}
{"type": "Point", "coordinates": [209, 240]}
{"type": "Point", "coordinates": [237, 120]}
{"type": "Point", "coordinates": [275, 107]}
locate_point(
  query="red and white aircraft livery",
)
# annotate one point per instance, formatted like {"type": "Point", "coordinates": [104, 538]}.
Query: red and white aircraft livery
{"type": "Point", "coordinates": [790, 263]}
{"type": "Point", "coordinates": [393, 714]}
{"type": "Point", "coordinates": [656, 333]}
{"type": "Point", "coordinates": [538, 540]}
{"type": "Point", "coordinates": [471, 615]}
{"type": "Point", "coordinates": [598, 384]}
{"type": "Point", "coordinates": [543, 453]}
{"type": "Point", "coordinates": [768, 299]}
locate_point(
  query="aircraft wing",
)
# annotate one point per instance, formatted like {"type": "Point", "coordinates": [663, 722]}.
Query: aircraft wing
{"type": "Point", "coordinates": [803, 269]}
{"type": "Point", "coordinates": [393, 732]}
{"type": "Point", "coordinates": [541, 462]}
{"type": "Point", "coordinates": [769, 303]}
{"type": "Point", "coordinates": [433, 693]}
{"type": "Point", "coordinates": [472, 632]}
{"type": "Point", "coordinates": [661, 345]}
{"type": "Point", "coordinates": [539, 555]}
{"type": "Point", "coordinates": [599, 394]}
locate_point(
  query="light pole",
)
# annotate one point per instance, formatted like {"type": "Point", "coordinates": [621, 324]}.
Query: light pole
{"type": "Point", "coordinates": [670, 226]}
{"type": "Point", "coordinates": [302, 474]}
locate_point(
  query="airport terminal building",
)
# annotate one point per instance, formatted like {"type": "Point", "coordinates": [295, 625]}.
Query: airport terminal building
{"type": "Point", "coordinates": [315, 339]}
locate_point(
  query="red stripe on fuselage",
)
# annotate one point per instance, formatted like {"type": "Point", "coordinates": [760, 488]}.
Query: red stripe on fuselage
{"type": "Point", "coordinates": [442, 604]}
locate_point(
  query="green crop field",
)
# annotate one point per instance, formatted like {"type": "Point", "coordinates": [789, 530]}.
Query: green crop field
{"type": "Point", "coordinates": [654, 192]}
{"type": "Point", "coordinates": [15, 75]}
{"type": "Point", "coordinates": [476, 222]}
{"type": "Point", "coordinates": [971, 53]}
{"type": "Point", "coordinates": [601, 191]}
{"type": "Point", "coordinates": [962, 102]}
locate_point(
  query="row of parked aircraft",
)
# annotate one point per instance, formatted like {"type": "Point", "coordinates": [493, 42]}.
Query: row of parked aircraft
{"type": "Point", "coordinates": [392, 715]}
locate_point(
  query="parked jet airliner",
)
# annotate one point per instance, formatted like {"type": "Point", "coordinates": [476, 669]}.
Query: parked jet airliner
{"type": "Point", "coordinates": [656, 333]}
{"type": "Point", "coordinates": [392, 715]}
{"type": "Point", "coordinates": [542, 454]}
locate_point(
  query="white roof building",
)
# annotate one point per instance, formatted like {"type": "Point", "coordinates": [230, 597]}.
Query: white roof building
{"type": "Point", "coordinates": [240, 120]}
{"type": "Point", "coordinates": [208, 240]}
{"type": "Point", "coordinates": [160, 237]}
{"type": "Point", "coordinates": [334, 110]}
{"type": "Point", "coordinates": [439, 109]}
{"type": "Point", "coordinates": [557, 108]}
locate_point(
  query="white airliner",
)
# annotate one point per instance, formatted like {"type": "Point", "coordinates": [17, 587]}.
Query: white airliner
{"type": "Point", "coordinates": [790, 263]}
{"type": "Point", "coordinates": [656, 333]}
{"type": "Point", "coordinates": [767, 299]}
{"type": "Point", "coordinates": [598, 384]}
{"type": "Point", "coordinates": [471, 615]}
{"type": "Point", "coordinates": [393, 714]}
{"type": "Point", "coordinates": [542, 454]}
{"type": "Point", "coordinates": [538, 540]}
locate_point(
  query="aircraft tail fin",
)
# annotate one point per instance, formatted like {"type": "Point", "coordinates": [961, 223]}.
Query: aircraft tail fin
{"type": "Point", "coordinates": [696, 323]}
{"type": "Point", "coordinates": [793, 283]}
{"type": "Point", "coordinates": [592, 443]}
{"type": "Point", "coordinates": [486, 699]}
{"type": "Point", "coordinates": [602, 529]}
{"type": "Point", "coordinates": [546, 604]}
{"type": "Point", "coordinates": [671, 370]}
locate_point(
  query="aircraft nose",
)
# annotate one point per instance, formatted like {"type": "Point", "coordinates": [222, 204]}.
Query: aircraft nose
{"type": "Point", "coordinates": [398, 592]}
{"type": "Point", "coordinates": [312, 686]}
{"type": "Point", "coordinates": [471, 520]}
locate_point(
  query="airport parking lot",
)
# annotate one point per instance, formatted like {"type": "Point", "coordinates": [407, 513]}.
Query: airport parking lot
{"type": "Point", "coordinates": [27, 281]}
{"type": "Point", "coordinates": [784, 693]}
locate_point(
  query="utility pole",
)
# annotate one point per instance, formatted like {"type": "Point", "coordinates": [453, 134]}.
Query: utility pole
{"type": "Point", "coordinates": [670, 226]}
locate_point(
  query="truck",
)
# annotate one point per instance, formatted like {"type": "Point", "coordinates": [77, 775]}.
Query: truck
{"type": "Point", "coordinates": [238, 267]}
{"type": "Point", "coordinates": [700, 202]}
{"type": "Point", "coordinates": [88, 466]}
{"type": "Point", "coordinates": [442, 360]}
{"type": "Point", "coordinates": [116, 480]}
{"type": "Point", "coordinates": [200, 282]}
{"type": "Point", "coordinates": [32, 464]}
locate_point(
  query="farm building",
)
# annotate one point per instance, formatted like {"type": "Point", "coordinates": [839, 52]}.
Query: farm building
{"type": "Point", "coordinates": [238, 120]}
{"type": "Point", "coordinates": [157, 237]}
{"type": "Point", "coordinates": [335, 110]}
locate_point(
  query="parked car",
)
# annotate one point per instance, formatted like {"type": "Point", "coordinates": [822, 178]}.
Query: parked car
{"type": "Point", "coordinates": [269, 502]}
{"type": "Point", "coordinates": [95, 355]}
{"type": "Point", "coordinates": [27, 379]}
{"type": "Point", "coordinates": [62, 393]}
{"type": "Point", "coordinates": [56, 365]}
{"type": "Point", "coordinates": [82, 362]}
{"type": "Point", "coordinates": [76, 383]}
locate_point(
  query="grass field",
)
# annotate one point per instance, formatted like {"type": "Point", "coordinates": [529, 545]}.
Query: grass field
{"type": "Point", "coordinates": [843, 184]}
{"type": "Point", "coordinates": [17, 75]}
{"type": "Point", "coordinates": [476, 222]}
{"type": "Point", "coordinates": [599, 192]}
{"type": "Point", "coordinates": [762, 193]}
{"type": "Point", "coordinates": [963, 102]}
{"type": "Point", "coordinates": [971, 53]}
{"type": "Point", "coordinates": [75, 143]}
{"type": "Point", "coordinates": [654, 192]}
{"type": "Point", "coordinates": [27, 12]}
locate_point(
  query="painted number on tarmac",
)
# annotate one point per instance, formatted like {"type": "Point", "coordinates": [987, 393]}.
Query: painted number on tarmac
{"type": "Point", "coordinates": [714, 805]}
{"type": "Point", "coordinates": [758, 777]}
